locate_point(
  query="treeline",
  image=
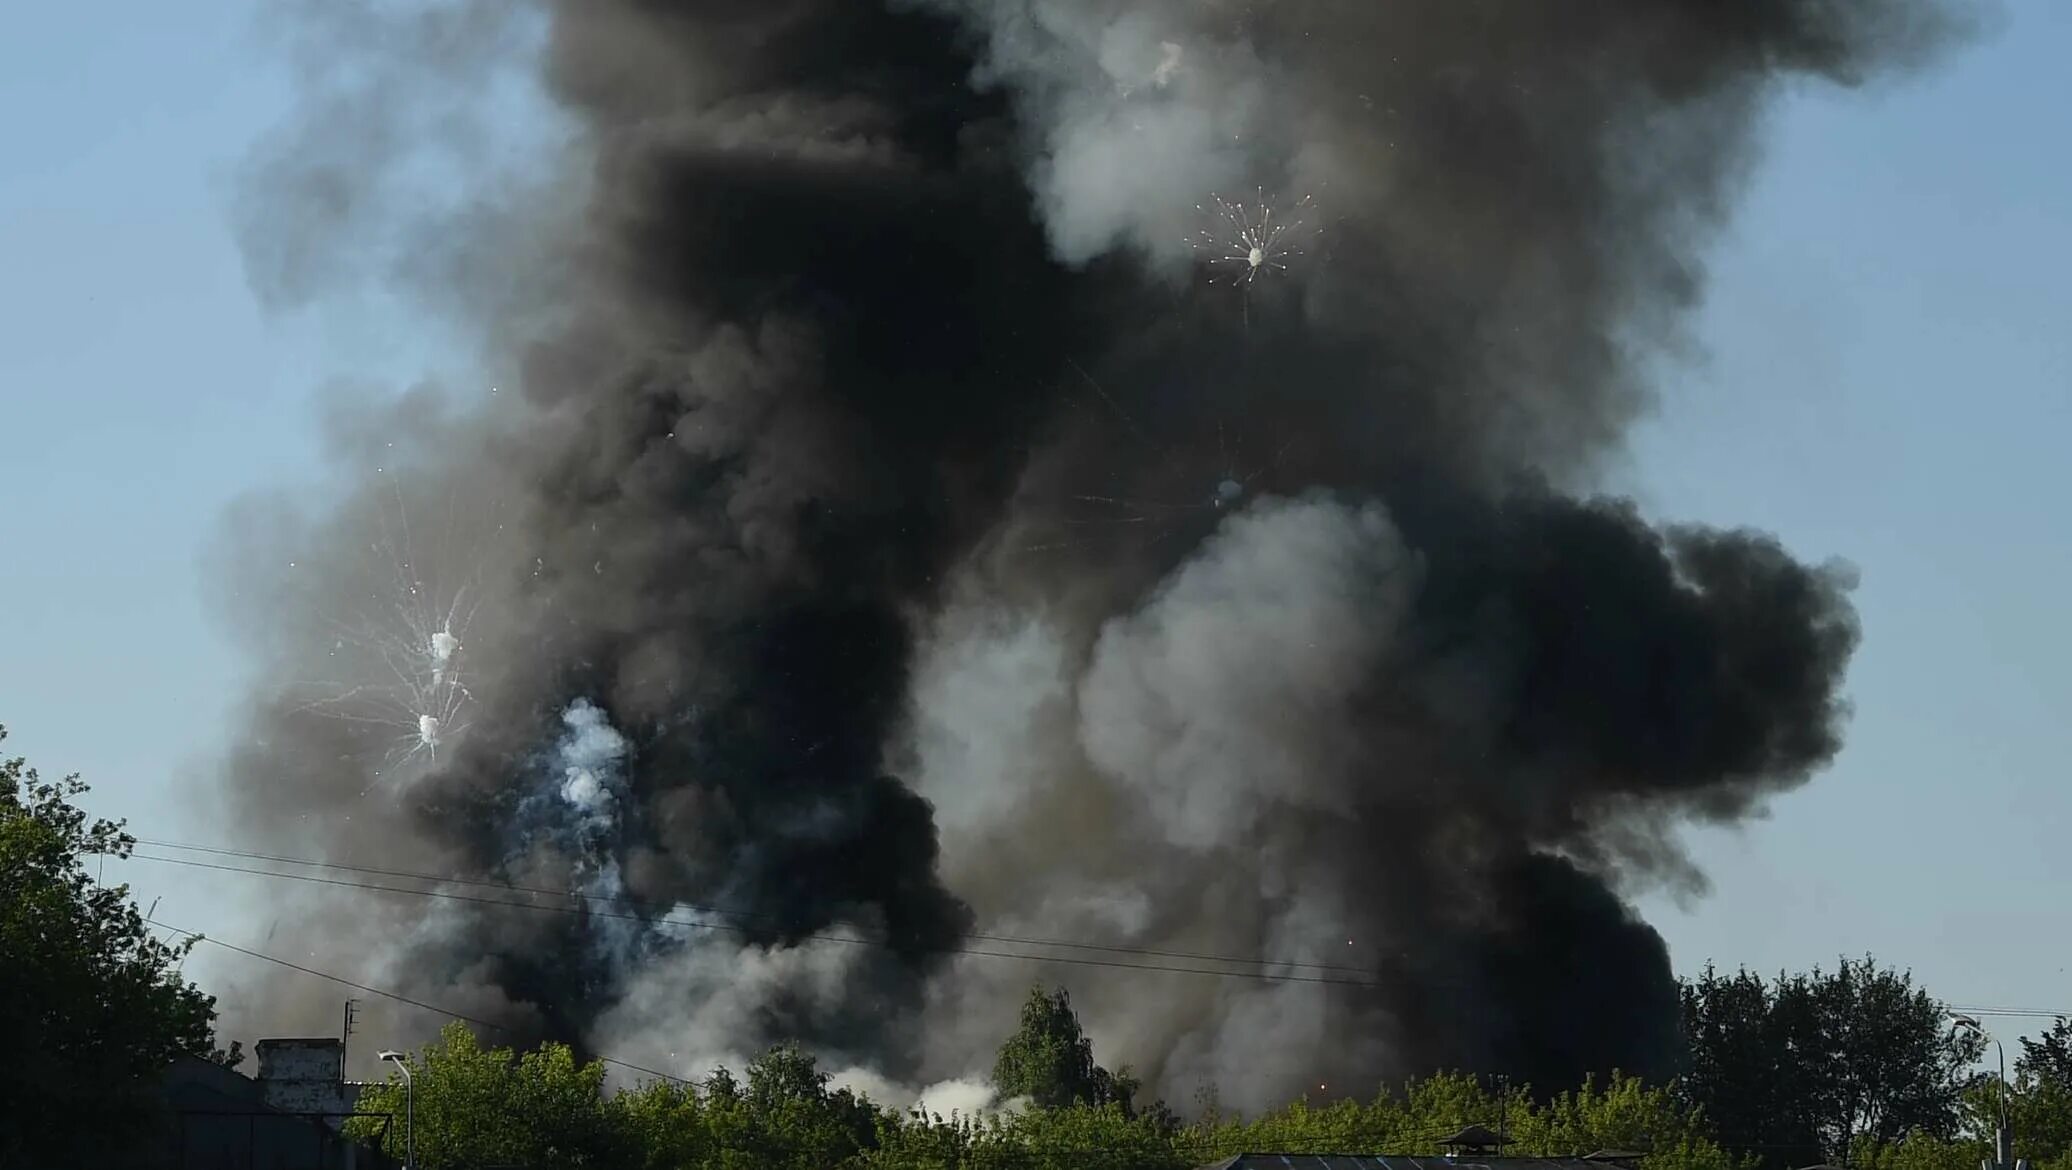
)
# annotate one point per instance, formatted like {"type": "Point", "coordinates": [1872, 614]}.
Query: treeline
{"type": "Point", "coordinates": [1854, 1067]}
{"type": "Point", "coordinates": [492, 1107]}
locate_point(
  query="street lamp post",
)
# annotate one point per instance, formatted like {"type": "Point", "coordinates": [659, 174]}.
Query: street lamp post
{"type": "Point", "coordinates": [409, 1108]}
{"type": "Point", "coordinates": [2003, 1140]}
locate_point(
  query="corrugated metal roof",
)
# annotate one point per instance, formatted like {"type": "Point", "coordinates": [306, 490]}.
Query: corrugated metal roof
{"type": "Point", "coordinates": [1394, 1162]}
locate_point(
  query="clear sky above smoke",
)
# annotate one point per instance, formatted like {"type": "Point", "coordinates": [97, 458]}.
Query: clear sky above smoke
{"type": "Point", "coordinates": [1887, 380]}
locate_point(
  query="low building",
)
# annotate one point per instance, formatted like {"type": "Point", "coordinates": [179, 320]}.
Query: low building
{"type": "Point", "coordinates": [219, 1119]}
{"type": "Point", "coordinates": [306, 1077]}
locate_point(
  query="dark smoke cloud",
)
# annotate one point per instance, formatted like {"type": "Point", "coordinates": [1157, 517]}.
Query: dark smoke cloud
{"type": "Point", "coordinates": [852, 550]}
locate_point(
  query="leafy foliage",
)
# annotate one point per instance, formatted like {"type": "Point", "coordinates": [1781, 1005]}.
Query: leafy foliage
{"type": "Point", "coordinates": [482, 1107]}
{"type": "Point", "coordinates": [1799, 1069]}
{"type": "Point", "coordinates": [1621, 1113]}
{"type": "Point", "coordinates": [2047, 1059]}
{"type": "Point", "coordinates": [2039, 1112]}
{"type": "Point", "coordinates": [92, 1005]}
{"type": "Point", "coordinates": [1050, 1062]}
{"type": "Point", "coordinates": [785, 1114]}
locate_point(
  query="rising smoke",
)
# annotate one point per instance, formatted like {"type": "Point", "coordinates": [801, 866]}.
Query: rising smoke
{"type": "Point", "coordinates": [887, 530]}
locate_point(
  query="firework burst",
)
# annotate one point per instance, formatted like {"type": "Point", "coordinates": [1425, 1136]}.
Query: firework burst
{"type": "Point", "coordinates": [1250, 238]}
{"type": "Point", "coordinates": [401, 658]}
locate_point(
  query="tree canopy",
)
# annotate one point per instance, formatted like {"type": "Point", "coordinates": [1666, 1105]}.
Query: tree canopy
{"type": "Point", "coordinates": [92, 1005]}
{"type": "Point", "coordinates": [1049, 1060]}
{"type": "Point", "coordinates": [475, 1106]}
{"type": "Point", "coordinates": [479, 1107]}
{"type": "Point", "coordinates": [1798, 1069]}
{"type": "Point", "coordinates": [2047, 1059]}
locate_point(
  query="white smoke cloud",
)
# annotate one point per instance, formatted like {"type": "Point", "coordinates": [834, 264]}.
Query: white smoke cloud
{"type": "Point", "coordinates": [701, 1005]}
{"type": "Point", "coordinates": [1228, 694]}
{"type": "Point", "coordinates": [570, 823]}
{"type": "Point", "coordinates": [1143, 111]}
{"type": "Point", "coordinates": [988, 687]}
{"type": "Point", "coordinates": [1078, 750]}
{"type": "Point", "coordinates": [966, 1097]}
{"type": "Point", "coordinates": [591, 756]}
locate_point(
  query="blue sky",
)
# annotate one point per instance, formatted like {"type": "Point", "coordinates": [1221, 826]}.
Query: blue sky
{"type": "Point", "coordinates": [1886, 377]}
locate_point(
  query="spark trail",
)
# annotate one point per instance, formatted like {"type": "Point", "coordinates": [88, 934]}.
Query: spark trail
{"type": "Point", "coordinates": [1179, 485]}
{"type": "Point", "coordinates": [400, 660]}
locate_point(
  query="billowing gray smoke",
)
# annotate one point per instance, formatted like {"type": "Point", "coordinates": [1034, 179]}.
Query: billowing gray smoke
{"type": "Point", "coordinates": [885, 530]}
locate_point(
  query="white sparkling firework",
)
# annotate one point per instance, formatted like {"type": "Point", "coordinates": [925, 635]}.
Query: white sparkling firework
{"type": "Point", "coordinates": [1251, 238]}
{"type": "Point", "coordinates": [401, 656]}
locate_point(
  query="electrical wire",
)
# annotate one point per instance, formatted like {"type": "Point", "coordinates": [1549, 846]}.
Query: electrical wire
{"type": "Point", "coordinates": [1288, 1145]}
{"type": "Point", "coordinates": [2016, 1013]}
{"type": "Point", "coordinates": [747, 916]}
{"type": "Point", "coordinates": [691, 924]}
{"type": "Point", "coordinates": [743, 915]}
{"type": "Point", "coordinates": [397, 996]}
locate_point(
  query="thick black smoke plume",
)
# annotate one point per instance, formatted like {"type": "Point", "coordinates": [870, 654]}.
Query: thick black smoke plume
{"type": "Point", "coordinates": [899, 534]}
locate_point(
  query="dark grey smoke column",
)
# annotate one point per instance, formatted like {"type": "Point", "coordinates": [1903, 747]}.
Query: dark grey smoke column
{"type": "Point", "coordinates": [871, 328]}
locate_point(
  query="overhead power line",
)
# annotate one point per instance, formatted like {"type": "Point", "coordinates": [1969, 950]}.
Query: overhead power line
{"type": "Point", "coordinates": [741, 915]}
{"type": "Point", "coordinates": [385, 994]}
{"type": "Point", "coordinates": [591, 904]}
{"type": "Point", "coordinates": [591, 910]}
{"type": "Point", "coordinates": [2018, 1013]}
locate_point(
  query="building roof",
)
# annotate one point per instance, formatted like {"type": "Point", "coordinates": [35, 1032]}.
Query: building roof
{"type": "Point", "coordinates": [200, 1091]}
{"type": "Point", "coordinates": [193, 1083]}
{"type": "Point", "coordinates": [1474, 1135]}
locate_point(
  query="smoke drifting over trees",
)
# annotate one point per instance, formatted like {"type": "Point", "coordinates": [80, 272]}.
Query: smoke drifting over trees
{"type": "Point", "coordinates": [885, 531]}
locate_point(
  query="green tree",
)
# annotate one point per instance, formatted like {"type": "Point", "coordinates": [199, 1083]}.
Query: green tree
{"type": "Point", "coordinates": [1799, 1069]}
{"type": "Point", "coordinates": [483, 1107]}
{"type": "Point", "coordinates": [666, 1125]}
{"type": "Point", "coordinates": [1623, 1113]}
{"type": "Point", "coordinates": [788, 1117]}
{"type": "Point", "coordinates": [1918, 1151]}
{"type": "Point", "coordinates": [2039, 1104]}
{"type": "Point", "coordinates": [1050, 1061]}
{"type": "Point", "coordinates": [785, 1116]}
{"type": "Point", "coordinates": [1068, 1136]}
{"type": "Point", "coordinates": [91, 1004]}
{"type": "Point", "coordinates": [2039, 1113]}
{"type": "Point", "coordinates": [2048, 1058]}
{"type": "Point", "coordinates": [1084, 1135]}
{"type": "Point", "coordinates": [1744, 1036]}
{"type": "Point", "coordinates": [1889, 1063]}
